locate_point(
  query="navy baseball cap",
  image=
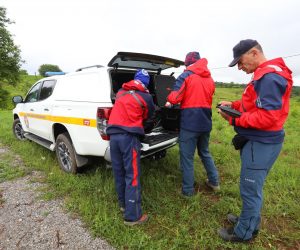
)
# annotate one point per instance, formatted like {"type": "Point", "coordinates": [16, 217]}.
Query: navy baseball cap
{"type": "Point", "coordinates": [143, 76]}
{"type": "Point", "coordinates": [241, 48]}
{"type": "Point", "coordinates": [191, 58]}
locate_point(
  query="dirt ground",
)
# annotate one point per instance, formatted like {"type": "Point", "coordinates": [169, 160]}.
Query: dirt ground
{"type": "Point", "coordinates": [29, 222]}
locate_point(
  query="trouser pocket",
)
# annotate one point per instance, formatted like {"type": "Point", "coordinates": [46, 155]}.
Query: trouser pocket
{"type": "Point", "coordinates": [260, 156]}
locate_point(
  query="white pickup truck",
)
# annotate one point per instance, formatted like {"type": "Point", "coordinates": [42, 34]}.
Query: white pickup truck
{"type": "Point", "coordinates": [69, 113]}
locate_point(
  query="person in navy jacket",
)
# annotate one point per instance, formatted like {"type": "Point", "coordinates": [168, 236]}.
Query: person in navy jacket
{"type": "Point", "coordinates": [194, 90]}
{"type": "Point", "coordinates": [265, 107]}
{"type": "Point", "coordinates": [133, 105]}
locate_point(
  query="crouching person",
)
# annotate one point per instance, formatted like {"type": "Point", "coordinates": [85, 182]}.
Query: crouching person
{"type": "Point", "coordinates": [133, 105]}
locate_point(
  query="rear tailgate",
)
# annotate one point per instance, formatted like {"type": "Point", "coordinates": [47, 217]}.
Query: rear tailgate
{"type": "Point", "coordinates": [158, 141]}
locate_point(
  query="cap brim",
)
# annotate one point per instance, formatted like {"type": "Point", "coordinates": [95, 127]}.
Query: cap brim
{"type": "Point", "coordinates": [234, 62]}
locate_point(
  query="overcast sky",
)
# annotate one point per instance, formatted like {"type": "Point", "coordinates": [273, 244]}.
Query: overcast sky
{"type": "Point", "coordinates": [78, 33]}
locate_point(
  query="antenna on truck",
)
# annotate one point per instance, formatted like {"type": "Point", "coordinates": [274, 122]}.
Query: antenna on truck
{"type": "Point", "coordinates": [93, 66]}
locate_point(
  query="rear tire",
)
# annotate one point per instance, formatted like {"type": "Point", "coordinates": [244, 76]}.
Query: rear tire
{"type": "Point", "coordinates": [65, 153]}
{"type": "Point", "coordinates": [18, 130]}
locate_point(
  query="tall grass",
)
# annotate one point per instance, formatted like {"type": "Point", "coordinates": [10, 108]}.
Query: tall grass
{"type": "Point", "coordinates": [176, 222]}
{"type": "Point", "coordinates": [7, 91]}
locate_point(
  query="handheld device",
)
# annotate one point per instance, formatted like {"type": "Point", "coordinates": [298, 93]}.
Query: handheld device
{"type": "Point", "coordinates": [229, 111]}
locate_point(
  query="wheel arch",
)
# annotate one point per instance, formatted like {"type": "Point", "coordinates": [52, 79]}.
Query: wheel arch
{"type": "Point", "coordinates": [16, 116]}
{"type": "Point", "coordinates": [58, 129]}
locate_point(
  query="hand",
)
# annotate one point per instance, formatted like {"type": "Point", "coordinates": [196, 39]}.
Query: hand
{"type": "Point", "coordinates": [224, 115]}
{"type": "Point", "coordinates": [225, 103]}
{"type": "Point", "coordinates": [168, 105]}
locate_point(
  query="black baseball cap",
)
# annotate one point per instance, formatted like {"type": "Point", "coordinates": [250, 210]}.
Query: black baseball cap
{"type": "Point", "coordinates": [241, 48]}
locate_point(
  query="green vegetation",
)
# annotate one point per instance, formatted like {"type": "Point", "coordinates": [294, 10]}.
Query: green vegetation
{"type": "Point", "coordinates": [48, 67]}
{"type": "Point", "coordinates": [10, 166]}
{"type": "Point", "coordinates": [10, 54]}
{"type": "Point", "coordinates": [23, 86]}
{"type": "Point", "coordinates": [10, 62]}
{"type": "Point", "coordinates": [229, 85]}
{"type": "Point", "coordinates": [296, 91]}
{"type": "Point", "coordinates": [176, 222]}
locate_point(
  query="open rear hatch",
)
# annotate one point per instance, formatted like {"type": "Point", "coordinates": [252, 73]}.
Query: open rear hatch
{"type": "Point", "coordinates": [143, 61]}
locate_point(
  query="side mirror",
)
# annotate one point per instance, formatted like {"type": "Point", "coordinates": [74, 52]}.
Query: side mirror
{"type": "Point", "coordinates": [17, 99]}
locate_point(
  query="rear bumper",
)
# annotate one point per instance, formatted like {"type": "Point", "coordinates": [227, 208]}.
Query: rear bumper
{"type": "Point", "coordinates": [146, 149]}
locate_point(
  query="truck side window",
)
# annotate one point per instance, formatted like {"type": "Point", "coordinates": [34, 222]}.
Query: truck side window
{"type": "Point", "coordinates": [47, 89]}
{"type": "Point", "coordinates": [33, 94]}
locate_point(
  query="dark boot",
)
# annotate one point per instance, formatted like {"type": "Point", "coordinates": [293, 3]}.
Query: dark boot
{"type": "Point", "coordinates": [233, 219]}
{"type": "Point", "coordinates": [228, 234]}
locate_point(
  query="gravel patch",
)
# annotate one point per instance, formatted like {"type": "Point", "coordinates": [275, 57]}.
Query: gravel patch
{"type": "Point", "coordinates": [3, 150]}
{"type": "Point", "coordinates": [28, 222]}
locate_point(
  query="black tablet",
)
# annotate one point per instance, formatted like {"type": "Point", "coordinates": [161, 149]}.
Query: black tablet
{"type": "Point", "coordinates": [229, 111]}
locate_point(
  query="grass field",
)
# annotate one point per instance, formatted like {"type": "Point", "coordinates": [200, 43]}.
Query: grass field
{"type": "Point", "coordinates": [176, 222]}
{"type": "Point", "coordinates": [21, 88]}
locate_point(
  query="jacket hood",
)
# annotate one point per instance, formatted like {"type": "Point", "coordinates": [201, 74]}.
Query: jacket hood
{"type": "Point", "coordinates": [277, 66]}
{"type": "Point", "coordinates": [200, 68]}
{"type": "Point", "coordinates": [134, 85]}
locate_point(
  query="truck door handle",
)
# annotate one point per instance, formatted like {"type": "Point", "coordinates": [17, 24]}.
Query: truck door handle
{"type": "Point", "coordinates": [31, 109]}
{"type": "Point", "coordinates": [46, 109]}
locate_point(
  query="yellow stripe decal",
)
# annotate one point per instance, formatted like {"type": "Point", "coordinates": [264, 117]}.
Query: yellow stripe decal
{"type": "Point", "coordinates": [63, 119]}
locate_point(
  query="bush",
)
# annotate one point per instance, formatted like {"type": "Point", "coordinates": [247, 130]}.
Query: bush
{"type": "Point", "coordinates": [48, 67]}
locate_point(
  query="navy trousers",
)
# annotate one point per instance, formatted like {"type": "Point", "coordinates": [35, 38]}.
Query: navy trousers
{"type": "Point", "coordinates": [188, 142]}
{"type": "Point", "coordinates": [257, 160]}
{"type": "Point", "coordinates": [125, 155]}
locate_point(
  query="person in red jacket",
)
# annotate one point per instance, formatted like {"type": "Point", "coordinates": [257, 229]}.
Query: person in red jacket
{"type": "Point", "coordinates": [193, 90]}
{"type": "Point", "coordinates": [264, 106]}
{"type": "Point", "coordinates": [133, 105]}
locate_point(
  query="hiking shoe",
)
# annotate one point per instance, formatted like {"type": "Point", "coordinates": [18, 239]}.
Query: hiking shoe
{"type": "Point", "coordinates": [228, 234]}
{"type": "Point", "coordinates": [233, 219]}
{"type": "Point", "coordinates": [142, 220]}
{"type": "Point", "coordinates": [214, 188]}
{"type": "Point", "coordinates": [188, 195]}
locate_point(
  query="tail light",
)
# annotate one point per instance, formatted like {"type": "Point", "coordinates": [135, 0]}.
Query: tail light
{"type": "Point", "coordinates": [102, 120]}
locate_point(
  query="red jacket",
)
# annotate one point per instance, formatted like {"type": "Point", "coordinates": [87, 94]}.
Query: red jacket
{"type": "Point", "coordinates": [194, 89]}
{"type": "Point", "coordinates": [265, 103]}
{"type": "Point", "coordinates": [128, 113]}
